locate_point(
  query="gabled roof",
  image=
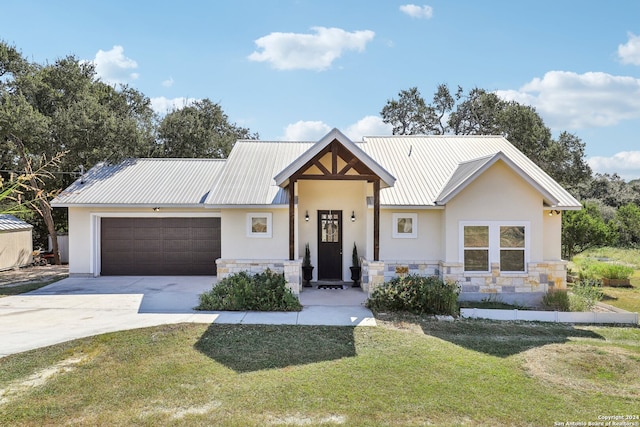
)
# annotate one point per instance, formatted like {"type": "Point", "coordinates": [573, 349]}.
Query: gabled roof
{"type": "Point", "coordinates": [144, 182]}
{"type": "Point", "coordinates": [468, 171]}
{"type": "Point", "coordinates": [431, 169]}
{"type": "Point", "coordinates": [427, 171]}
{"type": "Point", "coordinates": [11, 223]}
{"type": "Point", "coordinates": [386, 179]}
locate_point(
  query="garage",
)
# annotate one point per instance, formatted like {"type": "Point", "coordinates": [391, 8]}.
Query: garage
{"type": "Point", "coordinates": [159, 246]}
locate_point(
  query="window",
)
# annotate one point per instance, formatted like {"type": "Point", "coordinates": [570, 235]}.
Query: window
{"type": "Point", "coordinates": [476, 248]}
{"type": "Point", "coordinates": [512, 248]}
{"type": "Point", "coordinates": [330, 227]}
{"type": "Point", "coordinates": [494, 242]}
{"type": "Point", "coordinates": [404, 226]}
{"type": "Point", "coordinates": [259, 224]}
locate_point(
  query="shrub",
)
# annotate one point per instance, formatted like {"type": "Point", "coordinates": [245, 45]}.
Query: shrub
{"type": "Point", "coordinates": [416, 294]}
{"type": "Point", "coordinates": [613, 271]}
{"type": "Point", "coordinates": [584, 295]}
{"type": "Point", "coordinates": [266, 291]}
{"type": "Point", "coordinates": [590, 268]}
{"type": "Point", "coordinates": [556, 300]}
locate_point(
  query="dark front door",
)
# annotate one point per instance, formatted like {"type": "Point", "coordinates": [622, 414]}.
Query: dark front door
{"type": "Point", "coordinates": [329, 245]}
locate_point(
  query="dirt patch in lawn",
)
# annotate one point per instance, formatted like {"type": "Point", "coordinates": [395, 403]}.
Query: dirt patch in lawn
{"type": "Point", "coordinates": [609, 370]}
{"type": "Point", "coordinates": [33, 274]}
{"type": "Point", "coordinates": [17, 388]}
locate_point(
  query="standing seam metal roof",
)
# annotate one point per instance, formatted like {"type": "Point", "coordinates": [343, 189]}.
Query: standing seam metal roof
{"type": "Point", "coordinates": [423, 165]}
{"type": "Point", "coordinates": [11, 223]}
{"type": "Point", "coordinates": [144, 182]}
{"type": "Point", "coordinates": [424, 168]}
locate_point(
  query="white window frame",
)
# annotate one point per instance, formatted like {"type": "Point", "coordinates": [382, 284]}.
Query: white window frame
{"type": "Point", "coordinates": [414, 225]}
{"type": "Point", "coordinates": [261, 235]}
{"type": "Point", "coordinates": [494, 242]}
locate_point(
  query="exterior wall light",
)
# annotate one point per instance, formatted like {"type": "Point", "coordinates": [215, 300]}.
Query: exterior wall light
{"type": "Point", "coordinates": [353, 216]}
{"type": "Point", "coordinates": [156, 209]}
{"type": "Point", "coordinates": [306, 216]}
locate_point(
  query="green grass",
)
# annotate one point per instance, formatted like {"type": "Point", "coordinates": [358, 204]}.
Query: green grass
{"type": "Point", "coordinates": [624, 298]}
{"type": "Point", "coordinates": [630, 257]}
{"type": "Point", "coordinates": [6, 291]}
{"type": "Point", "coordinates": [407, 371]}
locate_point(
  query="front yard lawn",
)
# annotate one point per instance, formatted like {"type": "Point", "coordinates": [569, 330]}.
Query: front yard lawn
{"type": "Point", "coordinates": [406, 371]}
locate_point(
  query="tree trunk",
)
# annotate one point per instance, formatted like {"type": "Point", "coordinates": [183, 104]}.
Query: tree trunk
{"type": "Point", "coordinates": [44, 209]}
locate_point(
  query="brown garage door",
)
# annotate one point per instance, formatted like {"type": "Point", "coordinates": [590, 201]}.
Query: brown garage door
{"type": "Point", "coordinates": [160, 246]}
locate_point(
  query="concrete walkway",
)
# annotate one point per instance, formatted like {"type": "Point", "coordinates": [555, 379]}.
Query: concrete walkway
{"type": "Point", "coordinates": [79, 307]}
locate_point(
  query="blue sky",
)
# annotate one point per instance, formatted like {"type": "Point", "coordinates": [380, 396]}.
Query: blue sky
{"type": "Point", "coordinates": [294, 69]}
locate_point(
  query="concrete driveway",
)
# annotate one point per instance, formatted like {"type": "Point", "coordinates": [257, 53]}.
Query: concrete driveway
{"type": "Point", "coordinates": [79, 307]}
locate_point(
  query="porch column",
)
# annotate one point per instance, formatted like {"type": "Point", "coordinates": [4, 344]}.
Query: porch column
{"type": "Point", "coordinates": [376, 220]}
{"type": "Point", "coordinates": [292, 218]}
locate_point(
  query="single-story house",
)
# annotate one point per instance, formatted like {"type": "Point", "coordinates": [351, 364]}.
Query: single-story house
{"type": "Point", "coordinates": [472, 209]}
{"type": "Point", "coordinates": [16, 242]}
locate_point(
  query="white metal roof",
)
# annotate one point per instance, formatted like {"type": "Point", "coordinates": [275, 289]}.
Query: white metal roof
{"type": "Point", "coordinates": [425, 167]}
{"type": "Point", "coordinates": [248, 178]}
{"type": "Point", "coordinates": [422, 171]}
{"type": "Point", "coordinates": [11, 223]}
{"type": "Point", "coordinates": [144, 182]}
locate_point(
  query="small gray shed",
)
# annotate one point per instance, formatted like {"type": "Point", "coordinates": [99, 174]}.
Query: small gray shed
{"type": "Point", "coordinates": [16, 242]}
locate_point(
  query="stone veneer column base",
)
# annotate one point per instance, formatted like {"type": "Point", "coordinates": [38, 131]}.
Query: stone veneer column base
{"type": "Point", "coordinates": [372, 275]}
{"type": "Point", "coordinates": [292, 270]}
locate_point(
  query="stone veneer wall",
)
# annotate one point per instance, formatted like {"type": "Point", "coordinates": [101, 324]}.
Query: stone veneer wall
{"type": "Point", "coordinates": [372, 274]}
{"type": "Point", "coordinates": [292, 269]}
{"type": "Point", "coordinates": [540, 277]}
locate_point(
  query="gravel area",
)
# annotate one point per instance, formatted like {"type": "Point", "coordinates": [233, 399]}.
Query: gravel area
{"type": "Point", "coordinates": [34, 274]}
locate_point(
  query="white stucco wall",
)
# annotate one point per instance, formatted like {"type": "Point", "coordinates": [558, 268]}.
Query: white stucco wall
{"type": "Point", "coordinates": [499, 194]}
{"type": "Point", "coordinates": [237, 245]}
{"type": "Point", "coordinates": [427, 245]}
{"type": "Point", "coordinates": [84, 232]}
{"type": "Point", "coordinates": [552, 247]}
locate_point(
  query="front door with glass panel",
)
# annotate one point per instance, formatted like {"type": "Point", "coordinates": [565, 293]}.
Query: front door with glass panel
{"type": "Point", "coordinates": [329, 245]}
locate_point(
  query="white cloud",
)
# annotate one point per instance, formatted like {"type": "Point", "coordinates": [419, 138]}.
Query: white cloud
{"type": "Point", "coordinates": [567, 100]}
{"type": "Point", "coordinates": [162, 105]}
{"type": "Point", "coordinates": [415, 11]}
{"type": "Point", "coordinates": [168, 82]}
{"type": "Point", "coordinates": [629, 53]}
{"type": "Point", "coordinates": [625, 163]}
{"type": "Point", "coordinates": [291, 51]}
{"type": "Point", "coordinates": [113, 67]}
{"type": "Point", "coordinates": [314, 130]}
{"type": "Point", "coordinates": [305, 131]}
{"type": "Point", "coordinates": [368, 126]}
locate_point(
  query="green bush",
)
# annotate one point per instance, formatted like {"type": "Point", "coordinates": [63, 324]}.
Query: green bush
{"type": "Point", "coordinates": [556, 300]}
{"type": "Point", "coordinates": [416, 294]}
{"type": "Point", "coordinates": [613, 271]}
{"type": "Point", "coordinates": [585, 294]}
{"type": "Point", "coordinates": [590, 269]}
{"type": "Point", "coordinates": [266, 291]}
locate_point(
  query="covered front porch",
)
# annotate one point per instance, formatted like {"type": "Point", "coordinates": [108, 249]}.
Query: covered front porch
{"type": "Point", "coordinates": [333, 206]}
